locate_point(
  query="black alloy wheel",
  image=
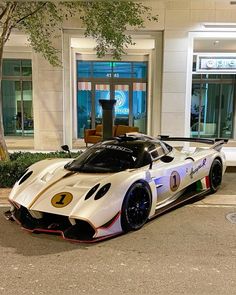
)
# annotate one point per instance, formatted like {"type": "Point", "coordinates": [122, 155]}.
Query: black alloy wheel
{"type": "Point", "coordinates": [136, 206]}
{"type": "Point", "coordinates": [215, 175]}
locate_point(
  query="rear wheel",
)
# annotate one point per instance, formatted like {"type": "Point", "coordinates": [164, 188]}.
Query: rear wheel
{"type": "Point", "coordinates": [215, 175]}
{"type": "Point", "coordinates": [136, 206]}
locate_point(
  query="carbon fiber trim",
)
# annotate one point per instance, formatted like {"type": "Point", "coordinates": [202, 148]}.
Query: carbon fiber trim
{"type": "Point", "coordinates": [190, 139]}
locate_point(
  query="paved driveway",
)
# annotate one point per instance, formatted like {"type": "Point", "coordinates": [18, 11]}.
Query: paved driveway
{"type": "Point", "coordinates": [191, 250]}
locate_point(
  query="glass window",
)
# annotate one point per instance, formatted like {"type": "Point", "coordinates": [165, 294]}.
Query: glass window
{"type": "Point", "coordinates": [17, 97]}
{"type": "Point", "coordinates": [196, 76]}
{"type": "Point", "coordinates": [11, 67]}
{"type": "Point", "coordinates": [26, 67]}
{"type": "Point", "coordinates": [27, 106]}
{"type": "Point", "coordinates": [195, 108]}
{"type": "Point", "coordinates": [226, 111]}
{"type": "Point", "coordinates": [123, 81]}
{"type": "Point", "coordinates": [212, 76]}
{"type": "Point", "coordinates": [121, 96]}
{"type": "Point", "coordinates": [122, 70]}
{"type": "Point", "coordinates": [102, 91]}
{"type": "Point", "coordinates": [84, 96]}
{"type": "Point", "coordinates": [102, 69]}
{"type": "Point", "coordinates": [212, 110]}
{"type": "Point", "coordinates": [139, 106]}
{"type": "Point", "coordinates": [84, 69]}
{"type": "Point", "coordinates": [140, 70]}
{"type": "Point", "coordinates": [11, 113]}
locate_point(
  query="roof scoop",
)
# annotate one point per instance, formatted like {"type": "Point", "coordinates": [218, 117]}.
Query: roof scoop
{"type": "Point", "coordinates": [66, 149]}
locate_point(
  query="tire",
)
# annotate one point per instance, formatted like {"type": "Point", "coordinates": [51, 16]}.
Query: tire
{"type": "Point", "coordinates": [136, 206]}
{"type": "Point", "coordinates": [215, 175]}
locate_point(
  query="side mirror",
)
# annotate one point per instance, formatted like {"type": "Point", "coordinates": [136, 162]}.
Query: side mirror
{"type": "Point", "coordinates": [66, 149]}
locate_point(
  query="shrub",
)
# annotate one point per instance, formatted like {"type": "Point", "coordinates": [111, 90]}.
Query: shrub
{"type": "Point", "coordinates": [12, 170]}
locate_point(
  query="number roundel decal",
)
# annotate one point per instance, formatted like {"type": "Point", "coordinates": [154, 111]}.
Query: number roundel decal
{"type": "Point", "coordinates": [61, 200]}
{"type": "Point", "coordinates": [174, 181]}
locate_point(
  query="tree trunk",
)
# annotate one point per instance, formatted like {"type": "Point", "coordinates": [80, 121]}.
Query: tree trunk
{"type": "Point", "coordinates": [5, 33]}
{"type": "Point", "coordinates": [3, 147]}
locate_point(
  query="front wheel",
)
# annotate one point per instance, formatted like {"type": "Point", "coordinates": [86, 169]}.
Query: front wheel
{"type": "Point", "coordinates": [136, 206]}
{"type": "Point", "coordinates": [215, 175]}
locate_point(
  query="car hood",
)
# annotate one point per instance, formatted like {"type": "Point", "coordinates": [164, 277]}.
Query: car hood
{"type": "Point", "coordinates": [53, 189]}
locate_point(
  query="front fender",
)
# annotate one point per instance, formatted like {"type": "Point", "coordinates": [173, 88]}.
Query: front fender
{"type": "Point", "coordinates": [98, 212]}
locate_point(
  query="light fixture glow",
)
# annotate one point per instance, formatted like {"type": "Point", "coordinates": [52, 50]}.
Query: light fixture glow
{"type": "Point", "coordinates": [220, 25]}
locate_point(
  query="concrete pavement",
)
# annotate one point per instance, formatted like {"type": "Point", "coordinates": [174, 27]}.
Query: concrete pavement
{"type": "Point", "coordinates": [188, 251]}
{"type": "Point", "coordinates": [4, 193]}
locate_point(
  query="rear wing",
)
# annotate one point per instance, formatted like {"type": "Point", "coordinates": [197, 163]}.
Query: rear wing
{"type": "Point", "coordinates": [216, 143]}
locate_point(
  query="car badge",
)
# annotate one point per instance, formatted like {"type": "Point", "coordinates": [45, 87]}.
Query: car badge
{"type": "Point", "coordinates": [61, 200]}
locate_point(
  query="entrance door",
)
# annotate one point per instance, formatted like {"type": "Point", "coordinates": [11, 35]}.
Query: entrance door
{"type": "Point", "coordinates": [126, 82]}
{"type": "Point", "coordinates": [101, 91]}
{"type": "Point", "coordinates": [212, 110]}
{"type": "Point", "coordinates": [121, 93]}
{"type": "Point", "coordinates": [123, 106]}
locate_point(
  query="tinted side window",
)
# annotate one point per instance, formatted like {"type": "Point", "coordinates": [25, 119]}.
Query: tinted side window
{"type": "Point", "coordinates": [145, 160]}
{"type": "Point", "coordinates": [155, 151]}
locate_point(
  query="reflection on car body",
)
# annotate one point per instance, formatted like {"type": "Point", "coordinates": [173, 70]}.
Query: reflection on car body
{"type": "Point", "coordinates": [114, 186]}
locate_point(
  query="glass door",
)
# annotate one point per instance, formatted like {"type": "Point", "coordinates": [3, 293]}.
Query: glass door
{"type": "Point", "coordinates": [101, 91]}
{"type": "Point", "coordinates": [121, 94]}
{"type": "Point", "coordinates": [212, 108]}
{"type": "Point", "coordinates": [84, 98]}
{"type": "Point", "coordinates": [27, 108]}
{"type": "Point", "coordinates": [140, 106]}
{"type": "Point", "coordinates": [18, 107]}
{"type": "Point", "coordinates": [226, 111]}
{"type": "Point", "coordinates": [124, 81]}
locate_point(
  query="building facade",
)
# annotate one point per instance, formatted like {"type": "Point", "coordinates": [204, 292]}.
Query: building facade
{"type": "Point", "coordinates": [178, 79]}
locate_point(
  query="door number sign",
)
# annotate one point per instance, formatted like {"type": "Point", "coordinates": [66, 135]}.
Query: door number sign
{"type": "Point", "coordinates": [174, 181]}
{"type": "Point", "coordinates": [61, 200]}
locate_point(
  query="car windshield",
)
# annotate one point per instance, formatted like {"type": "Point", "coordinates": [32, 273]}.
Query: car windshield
{"type": "Point", "coordinates": [110, 157]}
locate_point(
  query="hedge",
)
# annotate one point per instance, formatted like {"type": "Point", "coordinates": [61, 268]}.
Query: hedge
{"type": "Point", "coordinates": [12, 170]}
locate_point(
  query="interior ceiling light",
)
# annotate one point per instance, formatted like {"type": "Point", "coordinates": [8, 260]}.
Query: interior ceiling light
{"type": "Point", "coordinates": [220, 25]}
{"type": "Point", "coordinates": [216, 42]}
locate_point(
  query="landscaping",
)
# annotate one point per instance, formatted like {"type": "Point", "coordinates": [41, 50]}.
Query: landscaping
{"type": "Point", "coordinates": [12, 170]}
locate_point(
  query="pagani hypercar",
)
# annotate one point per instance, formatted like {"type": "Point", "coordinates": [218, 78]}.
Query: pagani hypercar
{"type": "Point", "coordinates": [114, 186]}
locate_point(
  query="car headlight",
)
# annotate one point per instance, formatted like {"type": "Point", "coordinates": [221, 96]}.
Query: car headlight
{"type": "Point", "coordinates": [103, 190]}
{"type": "Point", "coordinates": [92, 191]}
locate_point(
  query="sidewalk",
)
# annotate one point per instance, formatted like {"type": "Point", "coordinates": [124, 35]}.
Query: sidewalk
{"type": "Point", "coordinates": [19, 143]}
{"type": "Point", "coordinates": [4, 193]}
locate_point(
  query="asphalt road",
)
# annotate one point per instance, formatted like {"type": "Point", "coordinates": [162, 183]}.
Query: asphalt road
{"type": "Point", "coordinates": [191, 250]}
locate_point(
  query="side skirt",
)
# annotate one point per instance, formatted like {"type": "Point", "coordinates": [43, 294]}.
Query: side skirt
{"type": "Point", "coordinates": [188, 195]}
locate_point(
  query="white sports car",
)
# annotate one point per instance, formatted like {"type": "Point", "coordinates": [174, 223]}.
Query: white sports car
{"type": "Point", "coordinates": [114, 186]}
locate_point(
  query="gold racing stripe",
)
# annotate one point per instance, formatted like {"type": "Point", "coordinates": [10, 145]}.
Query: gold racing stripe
{"type": "Point", "coordinates": [49, 186]}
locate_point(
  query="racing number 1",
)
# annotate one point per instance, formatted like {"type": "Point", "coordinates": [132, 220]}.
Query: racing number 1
{"type": "Point", "coordinates": [174, 181]}
{"type": "Point", "coordinates": [60, 202]}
